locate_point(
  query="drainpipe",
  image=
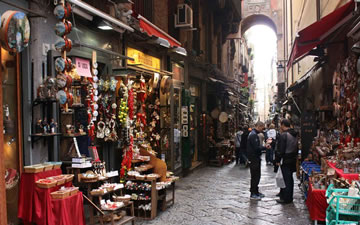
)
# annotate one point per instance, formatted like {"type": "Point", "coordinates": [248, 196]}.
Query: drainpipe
{"type": "Point", "coordinates": [291, 27]}
{"type": "Point", "coordinates": [285, 39]}
{"type": "Point", "coordinates": [318, 12]}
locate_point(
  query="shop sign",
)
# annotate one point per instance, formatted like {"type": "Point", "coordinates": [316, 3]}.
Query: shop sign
{"type": "Point", "coordinates": [308, 131]}
{"type": "Point", "coordinates": [185, 121]}
{"type": "Point", "coordinates": [143, 60]}
{"type": "Point", "coordinates": [83, 67]}
{"type": "Point", "coordinates": [178, 72]}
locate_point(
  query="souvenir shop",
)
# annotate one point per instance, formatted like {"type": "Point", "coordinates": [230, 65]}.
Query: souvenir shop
{"type": "Point", "coordinates": [103, 117]}
{"type": "Point", "coordinates": [221, 122]}
{"type": "Point", "coordinates": [329, 124]}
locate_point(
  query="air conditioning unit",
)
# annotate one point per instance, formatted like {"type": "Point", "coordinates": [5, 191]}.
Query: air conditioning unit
{"type": "Point", "coordinates": [184, 16]}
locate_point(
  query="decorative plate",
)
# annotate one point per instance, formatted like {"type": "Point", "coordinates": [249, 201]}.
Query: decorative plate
{"type": "Point", "coordinates": [14, 31]}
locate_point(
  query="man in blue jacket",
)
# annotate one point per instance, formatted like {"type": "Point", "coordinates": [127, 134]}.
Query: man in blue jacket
{"type": "Point", "coordinates": [254, 151]}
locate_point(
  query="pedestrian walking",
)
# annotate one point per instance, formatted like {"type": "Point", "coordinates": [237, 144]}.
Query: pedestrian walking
{"type": "Point", "coordinates": [285, 157]}
{"type": "Point", "coordinates": [254, 150]}
{"type": "Point", "coordinates": [238, 135]}
{"type": "Point", "coordinates": [243, 146]}
{"type": "Point", "coordinates": [271, 139]}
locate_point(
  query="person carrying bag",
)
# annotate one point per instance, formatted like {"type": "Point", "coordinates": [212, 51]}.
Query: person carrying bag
{"type": "Point", "coordinates": [286, 153]}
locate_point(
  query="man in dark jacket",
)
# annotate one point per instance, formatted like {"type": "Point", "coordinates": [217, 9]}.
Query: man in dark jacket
{"type": "Point", "coordinates": [243, 145]}
{"type": "Point", "coordinates": [286, 155]}
{"type": "Point", "coordinates": [254, 151]}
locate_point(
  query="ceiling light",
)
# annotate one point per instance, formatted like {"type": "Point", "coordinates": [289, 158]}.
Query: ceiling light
{"type": "Point", "coordinates": [180, 51]}
{"type": "Point", "coordinates": [103, 25]}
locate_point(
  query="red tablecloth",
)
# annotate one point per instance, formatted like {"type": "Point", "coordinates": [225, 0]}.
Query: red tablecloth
{"type": "Point", "coordinates": [36, 204]}
{"type": "Point", "coordinates": [69, 211]}
{"type": "Point", "coordinates": [26, 201]}
{"type": "Point", "coordinates": [316, 203]}
{"type": "Point", "coordinates": [340, 173]}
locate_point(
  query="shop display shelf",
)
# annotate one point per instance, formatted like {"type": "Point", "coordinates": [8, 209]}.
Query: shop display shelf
{"type": "Point", "coordinates": [39, 101]}
{"type": "Point", "coordinates": [73, 135]}
{"type": "Point", "coordinates": [125, 220]}
{"type": "Point", "coordinates": [46, 135]}
{"type": "Point", "coordinates": [107, 193]}
{"type": "Point", "coordinates": [37, 137]}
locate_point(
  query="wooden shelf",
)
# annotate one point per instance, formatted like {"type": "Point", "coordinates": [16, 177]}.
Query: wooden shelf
{"type": "Point", "coordinates": [145, 180]}
{"type": "Point", "coordinates": [109, 192]}
{"type": "Point", "coordinates": [46, 135]}
{"type": "Point", "coordinates": [125, 219]}
{"type": "Point", "coordinates": [74, 135]}
{"type": "Point", "coordinates": [43, 101]}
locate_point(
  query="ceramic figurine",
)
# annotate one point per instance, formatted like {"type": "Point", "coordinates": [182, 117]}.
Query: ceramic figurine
{"type": "Point", "coordinates": [53, 126]}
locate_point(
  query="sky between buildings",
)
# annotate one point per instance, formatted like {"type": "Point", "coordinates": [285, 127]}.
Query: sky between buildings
{"type": "Point", "coordinates": [263, 39]}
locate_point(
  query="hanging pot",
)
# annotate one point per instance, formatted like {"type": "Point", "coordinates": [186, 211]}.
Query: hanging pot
{"type": "Point", "coordinates": [215, 113]}
{"type": "Point", "coordinates": [14, 31]}
{"type": "Point", "coordinates": [153, 83]}
{"type": "Point", "coordinates": [223, 117]}
{"type": "Point", "coordinates": [165, 84]}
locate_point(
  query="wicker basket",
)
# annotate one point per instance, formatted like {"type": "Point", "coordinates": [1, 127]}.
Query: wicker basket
{"type": "Point", "coordinates": [33, 169]}
{"type": "Point", "coordinates": [60, 194]}
{"type": "Point", "coordinates": [69, 177]}
{"type": "Point", "coordinates": [97, 192]}
{"type": "Point", "coordinates": [124, 199]}
{"type": "Point", "coordinates": [48, 167]}
{"type": "Point", "coordinates": [49, 184]}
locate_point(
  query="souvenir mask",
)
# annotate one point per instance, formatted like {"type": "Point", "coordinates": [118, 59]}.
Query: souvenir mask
{"type": "Point", "coordinates": [62, 12]}
{"type": "Point", "coordinates": [61, 81]}
{"type": "Point", "coordinates": [60, 64]}
{"type": "Point", "coordinates": [62, 29]}
{"type": "Point", "coordinates": [62, 97]}
{"type": "Point", "coordinates": [63, 45]}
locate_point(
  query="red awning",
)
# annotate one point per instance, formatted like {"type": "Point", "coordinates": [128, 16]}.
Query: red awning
{"type": "Point", "coordinates": [152, 30]}
{"type": "Point", "coordinates": [316, 33]}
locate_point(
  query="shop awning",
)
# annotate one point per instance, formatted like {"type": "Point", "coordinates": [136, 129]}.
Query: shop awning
{"type": "Point", "coordinates": [315, 34]}
{"type": "Point", "coordinates": [299, 83]}
{"type": "Point", "coordinates": [217, 81]}
{"type": "Point", "coordinates": [152, 30]}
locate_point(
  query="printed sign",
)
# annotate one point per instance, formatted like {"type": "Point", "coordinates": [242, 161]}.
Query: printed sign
{"type": "Point", "coordinates": [83, 67]}
{"type": "Point", "coordinates": [143, 60]}
{"type": "Point", "coordinates": [185, 121]}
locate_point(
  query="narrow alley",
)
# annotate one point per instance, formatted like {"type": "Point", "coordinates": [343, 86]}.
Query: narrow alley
{"type": "Point", "coordinates": [213, 195]}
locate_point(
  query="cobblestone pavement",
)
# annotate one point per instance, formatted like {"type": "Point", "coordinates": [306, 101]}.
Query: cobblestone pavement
{"type": "Point", "coordinates": [212, 195]}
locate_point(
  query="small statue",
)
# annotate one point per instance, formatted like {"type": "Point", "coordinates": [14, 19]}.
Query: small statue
{"type": "Point", "coordinates": [38, 127]}
{"type": "Point", "coordinates": [53, 126]}
{"type": "Point", "coordinates": [44, 126]}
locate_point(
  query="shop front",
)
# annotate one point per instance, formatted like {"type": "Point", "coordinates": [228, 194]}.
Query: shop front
{"type": "Point", "coordinates": [13, 59]}
{"type": "Point", "coordinates": [101, 119]}
{"type": "Point", "coordinates": [326, 98]}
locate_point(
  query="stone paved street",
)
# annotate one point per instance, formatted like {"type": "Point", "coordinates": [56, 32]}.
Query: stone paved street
{"type": "Point", "coordinates": [212, 195]}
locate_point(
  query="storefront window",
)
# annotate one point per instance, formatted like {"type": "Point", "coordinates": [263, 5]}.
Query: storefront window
{"type": "Point", "coordinates": [177, 127]}
{"type": "Point", "coordinates": [10, 104]}
{"type": "Point", "coordinates": [178, 71]}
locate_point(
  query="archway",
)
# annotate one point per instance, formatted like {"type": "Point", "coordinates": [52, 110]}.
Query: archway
{"type": "Point", "coordinates": [257, 19]}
